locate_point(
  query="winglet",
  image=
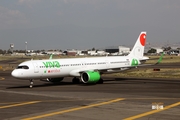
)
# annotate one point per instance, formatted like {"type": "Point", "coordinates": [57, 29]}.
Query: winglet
{"type": "Point", "coordinates": [160, 59]}
{"type": "Point", "coordinates": [51, 56]}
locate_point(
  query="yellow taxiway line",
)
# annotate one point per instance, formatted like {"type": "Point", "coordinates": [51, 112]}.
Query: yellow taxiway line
{"type": "Point", "coordinates": [1, 78]}
{"type": "Point", "coordinates": [152, 112]}
{"type": "Point", "coordinates": [19, 104]}
{"type": "Point", "coordinates": [73, 109]}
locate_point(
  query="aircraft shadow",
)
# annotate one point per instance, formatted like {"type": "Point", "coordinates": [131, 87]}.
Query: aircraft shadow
{"type": "Point", "coordinates": [44, 85]}
{"type": "Point", "coordinates": [144, 81]}
{"type": "Point", "coordinates": [107, 81]}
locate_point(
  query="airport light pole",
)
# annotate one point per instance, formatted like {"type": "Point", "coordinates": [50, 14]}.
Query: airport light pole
{"type": "Point", "coordinates": [11, 47]}
{"type": "Point", "coordinates": [26, 47]}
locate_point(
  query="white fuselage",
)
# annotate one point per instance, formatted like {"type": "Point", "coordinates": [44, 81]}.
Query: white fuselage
{"type": "Point", "coordinates": [53, 68]}
{"type": "Point", "coordinates": [89, 69]}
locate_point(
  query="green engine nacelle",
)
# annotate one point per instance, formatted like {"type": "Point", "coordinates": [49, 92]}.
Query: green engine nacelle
{"type": "Point", "coordinates": [90, 77]}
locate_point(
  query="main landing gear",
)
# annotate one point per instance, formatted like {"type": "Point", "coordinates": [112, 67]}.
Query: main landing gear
{"type": "Point", "coordinates": [100, 81]}
{"type": "Point", "coordinates": [76, 80]}
{"type": "Point", "coordinates": [31, 83]}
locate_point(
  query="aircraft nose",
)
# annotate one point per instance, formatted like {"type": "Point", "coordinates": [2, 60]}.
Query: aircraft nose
{"type": "Point", "coordinates": [14, 73]}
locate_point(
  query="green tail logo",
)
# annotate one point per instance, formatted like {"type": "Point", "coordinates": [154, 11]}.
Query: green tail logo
{"type": "Point", "coordinates": [134, 62]}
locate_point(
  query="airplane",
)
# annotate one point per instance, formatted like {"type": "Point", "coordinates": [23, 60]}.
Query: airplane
{"type": "Point", "coordinates": [87, 70]}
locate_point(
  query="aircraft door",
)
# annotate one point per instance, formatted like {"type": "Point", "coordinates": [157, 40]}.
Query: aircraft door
{"type": "Point", "coordinates": [107, 63]}
{"type": "Point", "coordinates": [36, 68]}
{"type": "Point", "coordinates": [83, 64]}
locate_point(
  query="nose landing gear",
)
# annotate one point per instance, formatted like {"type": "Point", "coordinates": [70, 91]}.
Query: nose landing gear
{"type": "Point", "coordinates": [31, 84]}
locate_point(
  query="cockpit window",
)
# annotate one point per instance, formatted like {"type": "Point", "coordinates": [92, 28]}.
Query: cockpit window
{"type": "Point", "coordinates": [22, 67]}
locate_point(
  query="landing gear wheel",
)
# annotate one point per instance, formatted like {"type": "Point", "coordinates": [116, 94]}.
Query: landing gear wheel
{"type": "Point", "coordinates": [76, 80]}
{"type": "Point", "coordinates": [100, 81]}
{"type": "Point", "coordinates": [31, 84]}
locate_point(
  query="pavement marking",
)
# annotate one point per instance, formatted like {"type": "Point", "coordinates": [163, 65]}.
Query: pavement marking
{"type": "Point", "coordinates": [152, 112]}
{"type": "Point", "coordinates": [49, 101]}
{"type": "Point", "coordinates": [19, 104]}
{"type": "Point", "coordinates": [73, 109]}
{"type": "Point", "coordinates": [1, 78]}
{"type": "Point", "coordinates": [152, 98]}
{"type": "Point", "coordinates": [9, 103]}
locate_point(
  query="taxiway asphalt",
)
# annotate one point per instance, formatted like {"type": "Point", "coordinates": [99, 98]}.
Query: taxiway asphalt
{"type": "Point", "coordinates": [116, 99]}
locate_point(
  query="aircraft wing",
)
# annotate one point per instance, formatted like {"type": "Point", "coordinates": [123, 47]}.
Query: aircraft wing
{"type": "Point", "coordinates": [77, 72]}
{"type": "Point", "coordinates": [159, 61]}
{"type": "Point", "coordinates": [131, 67]}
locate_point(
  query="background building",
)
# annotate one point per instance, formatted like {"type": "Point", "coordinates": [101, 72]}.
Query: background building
{"type": "Point", "coordinates": [124, 50]}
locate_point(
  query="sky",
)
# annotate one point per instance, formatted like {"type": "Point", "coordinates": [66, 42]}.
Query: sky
{"type": "Point", "coordinates": [87, 24]}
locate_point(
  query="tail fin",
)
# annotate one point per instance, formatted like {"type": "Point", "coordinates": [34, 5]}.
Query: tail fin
{"type": "Point", "coordinates": [138, 49]}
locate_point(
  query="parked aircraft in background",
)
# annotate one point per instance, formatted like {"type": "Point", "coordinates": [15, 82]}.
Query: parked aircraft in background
{"type": "Point", "coordinates": [88, 70]}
